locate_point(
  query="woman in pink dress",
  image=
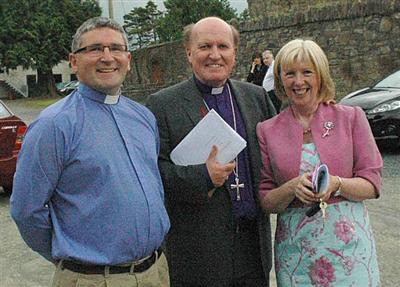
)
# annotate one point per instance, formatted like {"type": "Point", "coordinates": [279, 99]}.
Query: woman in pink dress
{"type": "Point", "coordinates": [334, 245]}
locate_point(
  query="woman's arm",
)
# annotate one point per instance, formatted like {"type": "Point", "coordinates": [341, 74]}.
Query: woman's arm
{"type": "Point", "coordinates": [274, 198]}
{"type": "Point", "coordinates": [354, 189]}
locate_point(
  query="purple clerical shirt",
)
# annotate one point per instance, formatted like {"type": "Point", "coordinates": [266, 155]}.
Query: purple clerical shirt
{"type": "Point", "coordinates": [245, 208]}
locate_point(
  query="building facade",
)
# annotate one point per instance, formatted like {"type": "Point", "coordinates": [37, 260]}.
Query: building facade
{"type": "Point", "coordinates": [17, 82]}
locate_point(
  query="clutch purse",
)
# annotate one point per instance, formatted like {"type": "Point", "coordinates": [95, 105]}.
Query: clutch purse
{"type": "Point", "coordinates": [320, 182]}
{"type": "Point", "coordinates": [320, 178]}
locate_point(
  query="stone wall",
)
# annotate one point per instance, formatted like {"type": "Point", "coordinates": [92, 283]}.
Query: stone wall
{"type": "Point", "coordinates": [361, 40]}
{"type": "Point", "coordinates": [262, 8]}
{"type": "Point", "coordinates": [156, 67]}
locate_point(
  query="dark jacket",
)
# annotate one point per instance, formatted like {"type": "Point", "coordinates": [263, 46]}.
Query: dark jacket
{"type": "Point", "coordinates": [257, 77]}
{"type": "Point", "coordinates": [199, 245]}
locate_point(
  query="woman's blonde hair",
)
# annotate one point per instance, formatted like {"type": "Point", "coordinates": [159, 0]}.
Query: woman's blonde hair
{"type": "Point", "coordinates": [309, 52]}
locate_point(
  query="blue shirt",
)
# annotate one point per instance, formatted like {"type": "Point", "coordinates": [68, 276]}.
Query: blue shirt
{"type": "Point", "coordinates": [87, 185]}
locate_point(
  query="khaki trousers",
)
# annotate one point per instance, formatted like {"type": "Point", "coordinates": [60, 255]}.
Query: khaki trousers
{"type": "Point", "coordinates": [156, 276]}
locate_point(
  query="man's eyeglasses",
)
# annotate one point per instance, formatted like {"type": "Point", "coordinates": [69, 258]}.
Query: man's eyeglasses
{"type": "Point", "coordinates": [98, 49]}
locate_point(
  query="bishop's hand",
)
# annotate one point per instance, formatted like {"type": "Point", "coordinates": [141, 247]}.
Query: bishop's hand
{"type": "Point", "coordinates": [219, 173]}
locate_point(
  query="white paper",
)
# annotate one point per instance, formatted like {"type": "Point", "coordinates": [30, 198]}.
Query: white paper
{"type": "Point", "coordinates": [211, 130]}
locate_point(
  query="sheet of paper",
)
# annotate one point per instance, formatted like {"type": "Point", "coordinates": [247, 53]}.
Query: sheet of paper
{"type": "Point", "coordinates": [211, 130]}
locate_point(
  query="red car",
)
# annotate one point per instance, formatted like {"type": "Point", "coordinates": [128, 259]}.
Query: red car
{"type": "Point", "coordinates": [12, 130]}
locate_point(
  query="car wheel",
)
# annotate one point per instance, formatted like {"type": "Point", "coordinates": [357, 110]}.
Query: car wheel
{"type": "Point", "coordinates": [7, 190]}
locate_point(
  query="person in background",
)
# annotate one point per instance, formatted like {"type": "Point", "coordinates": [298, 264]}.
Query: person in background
{"type": "Point", "coordinates": [334, 245]}
{"type": "Point", "coordinates": [87, 194]}
{"type": "Point", "coordinates": [219, 237]}
{"type": "Point", "coordinates": [268, 81]}
{"type": "Point", "coordinates": [257, 70]}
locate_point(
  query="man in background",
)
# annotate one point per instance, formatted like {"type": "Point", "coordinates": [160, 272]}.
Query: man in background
{"type": "Point", "coordinates": [268, 82]}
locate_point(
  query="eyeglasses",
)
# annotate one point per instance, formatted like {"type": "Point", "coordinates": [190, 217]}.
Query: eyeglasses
{"type": "Point", "coordinates": [98, 49]}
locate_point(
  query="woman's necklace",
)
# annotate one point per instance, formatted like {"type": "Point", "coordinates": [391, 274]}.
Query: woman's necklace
{"type": "Point", "coordinates": [304, 123]}
{"type": "Point", "coordinates": [237, 185]}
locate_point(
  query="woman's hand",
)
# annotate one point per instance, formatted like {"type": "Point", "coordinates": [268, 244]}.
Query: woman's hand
{"type": "Point", "coordinates": [303, 189]}
{"type": "Point", "coordinates": [253, 66]}
{"type": "Point", "coordinates": [334, 184]}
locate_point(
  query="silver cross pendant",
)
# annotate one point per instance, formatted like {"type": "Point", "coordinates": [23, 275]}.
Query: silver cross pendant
{"type": "Point", "coordinates": [237, 186]}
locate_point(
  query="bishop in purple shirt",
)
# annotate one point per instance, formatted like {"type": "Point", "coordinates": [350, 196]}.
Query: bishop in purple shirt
{"type": "Point", "coordinates": [219, 236]}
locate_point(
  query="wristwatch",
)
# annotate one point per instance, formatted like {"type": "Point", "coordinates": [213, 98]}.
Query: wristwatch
{"type": "Point", "coordinates": [338, 192]}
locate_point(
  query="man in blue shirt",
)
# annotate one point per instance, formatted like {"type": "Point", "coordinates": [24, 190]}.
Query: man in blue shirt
{"type": "Point", "coordinates": [87, 192]}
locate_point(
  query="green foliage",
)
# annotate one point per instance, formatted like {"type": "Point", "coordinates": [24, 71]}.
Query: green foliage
{"type": "Point", "coordinates": [244, 16]}
{"type": "Point", "coordinates": [38, 33]}
{"type": "Point", "coordinates": [183, 12]}
{"type": "Point", "coordinates": [140, 25]}
{"type": "Point", "coordinates": [145, 26]}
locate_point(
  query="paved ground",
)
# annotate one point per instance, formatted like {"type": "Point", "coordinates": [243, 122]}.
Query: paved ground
{"type": "Point", "coordinates": [21, 267]}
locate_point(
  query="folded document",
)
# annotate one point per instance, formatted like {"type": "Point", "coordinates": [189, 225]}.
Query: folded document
{"type": "Point", "coordinates": [211, 130]}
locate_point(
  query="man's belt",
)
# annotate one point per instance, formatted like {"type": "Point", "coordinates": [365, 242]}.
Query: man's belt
{"type": "Point", "coordinates": [136, 267]}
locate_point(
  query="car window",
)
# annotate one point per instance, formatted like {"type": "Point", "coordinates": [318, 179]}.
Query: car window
{"type": "Point", "coordinates": [4, 112]}
{"type": "Point", "coordinates": [392, 81]}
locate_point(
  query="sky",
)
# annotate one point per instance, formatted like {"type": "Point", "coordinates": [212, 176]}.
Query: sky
{"type": "Point", "coordinates": [122, 7]}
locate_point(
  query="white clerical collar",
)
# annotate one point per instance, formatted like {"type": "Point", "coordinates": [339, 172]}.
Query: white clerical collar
{"type": "Point", "coordinates": [98, 96]}
{"type": "Point", "coordinates": [217, 91]}
{"type": "Point", "coordinates": [111, 100]}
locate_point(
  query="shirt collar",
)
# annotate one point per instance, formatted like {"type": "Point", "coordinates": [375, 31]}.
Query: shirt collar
{"type": "Point", "coordinates": [207, 89]}
{"type": "Point", "coordinates": [97, 96]}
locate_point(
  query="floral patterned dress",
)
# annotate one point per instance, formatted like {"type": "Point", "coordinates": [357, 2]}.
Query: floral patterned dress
{"type": "Point", "coordinates": [337, 251]}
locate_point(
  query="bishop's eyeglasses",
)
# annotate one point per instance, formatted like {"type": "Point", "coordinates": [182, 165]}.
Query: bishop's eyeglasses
{"type": "Point", "coordinates": [98, 49]}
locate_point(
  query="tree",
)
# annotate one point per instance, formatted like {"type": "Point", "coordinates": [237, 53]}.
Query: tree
{"type": "Point", "coordinates": [145, 26]}
{"type": "Point", "coordinates": [37, 34]}
{"type": "Point", "coordinates": [244, 16]}
{"type": "Point", "coordinates": [180, 13]}
{"type": "Point", "coordinates": [154, 14]}
{"type": "Point", "coordinates": [136, 27]}
{"type": "Point", "coordinates": [140, 25]}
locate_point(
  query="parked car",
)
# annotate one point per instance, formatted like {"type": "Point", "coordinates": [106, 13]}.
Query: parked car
{"type": "Point", "coordinates": [67, 87]}
{"type": "Point", "coordinates": [381, 104]}
{"type": "Point", "coordinates": [12, 130]}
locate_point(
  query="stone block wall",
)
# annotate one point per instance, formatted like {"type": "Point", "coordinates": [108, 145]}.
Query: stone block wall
{"type": "Point", "coordinates": [262, 8]}
{"type": "Point", "coordinates": [156, 67]}
{"type": "Point", "coordinates": [360, 38]}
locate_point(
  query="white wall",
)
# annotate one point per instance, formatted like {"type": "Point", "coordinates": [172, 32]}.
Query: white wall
{"type": "Point", "coordinates": [17, 77]}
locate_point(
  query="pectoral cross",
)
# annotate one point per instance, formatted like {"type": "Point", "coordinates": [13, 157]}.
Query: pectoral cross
{"type": "Point", "coordinates": [237, 185]}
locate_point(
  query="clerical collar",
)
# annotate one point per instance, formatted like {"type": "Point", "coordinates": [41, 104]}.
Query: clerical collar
{"type": "Point", "coordinates": [206, 89]}
{"type": "Point", "coordinates": [97, 96]}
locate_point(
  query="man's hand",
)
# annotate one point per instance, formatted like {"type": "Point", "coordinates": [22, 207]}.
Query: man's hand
{"type": "Point", "coordinates": [219, 173]}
